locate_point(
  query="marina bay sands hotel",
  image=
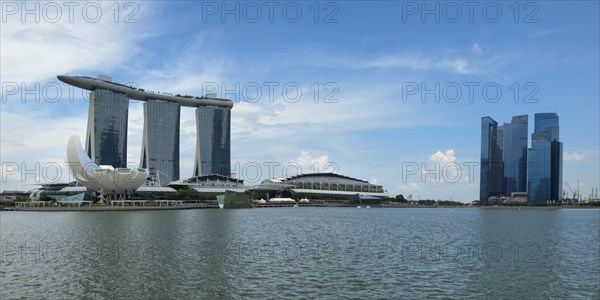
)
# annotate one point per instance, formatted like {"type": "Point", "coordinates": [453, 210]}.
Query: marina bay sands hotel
{"type": "Point", "coordinates": [106, 137]}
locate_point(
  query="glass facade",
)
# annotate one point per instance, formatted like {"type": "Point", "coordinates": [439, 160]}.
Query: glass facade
{"type": "Point", "coordinates": [544, 181]}
{"type": "Point", "coordinates": [213, 154]}
{"type": "Point", "coordinates": [160, 144]}
{"type": "Point", "coordinates": [515, 155]}
{"type": "Point", "coordinates": [106, 138]}
{"type": "Point", "coordinates": [547, 121]}
{"type": "Point", "coordinates": [503, 130]}
{"type": "Point", "coordinates": [507, 160]}
{"type": "Point", "coordinates": [491, 175]}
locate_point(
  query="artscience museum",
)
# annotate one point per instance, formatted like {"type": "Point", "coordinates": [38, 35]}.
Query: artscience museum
{"type": "Point", "coordinates": [109, 182]}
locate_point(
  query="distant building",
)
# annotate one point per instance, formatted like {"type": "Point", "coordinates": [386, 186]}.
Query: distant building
{"type": "Point", "coordinates": [509, 168]}
{"type": "Point", "coordinates": [544, 182]}
{"type": "Point", "coordinates": [210, 181]}
{"type": "Point", "coordinates": [515, 155]}
{"type": "Point", "coordinates": [515, 198]}
{"type": "Point", "coordinates": [321, 185]}
{"type": "Point", "coordinates": [491, 170]}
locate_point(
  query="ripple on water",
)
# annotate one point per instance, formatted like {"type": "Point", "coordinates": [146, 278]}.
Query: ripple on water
{"type": "Point", "coordinates": [303, 253]}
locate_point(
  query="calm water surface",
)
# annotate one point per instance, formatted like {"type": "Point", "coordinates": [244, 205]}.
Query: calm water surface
{"type": "Point", "coordinates": [301, 253]}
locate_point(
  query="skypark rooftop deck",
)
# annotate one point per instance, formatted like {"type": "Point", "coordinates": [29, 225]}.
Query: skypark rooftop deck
{"type": "Point", "coordinates": [90, 83]}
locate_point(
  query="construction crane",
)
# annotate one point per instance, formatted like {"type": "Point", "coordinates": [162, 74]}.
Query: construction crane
{"type": "Point", "coordinates": [573, 192]}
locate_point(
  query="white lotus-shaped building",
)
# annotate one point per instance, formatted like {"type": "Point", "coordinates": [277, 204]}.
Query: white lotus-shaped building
{"type": "Point", "coordinates": [103, 179]}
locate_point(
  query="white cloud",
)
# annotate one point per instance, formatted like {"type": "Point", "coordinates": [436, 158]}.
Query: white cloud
{"type": "Point", "coordinates": [441, 173]}
{"type": "Point", "coordinates": [460, 65]}
{"type": "Point", "coordinates": [476, 48]}
{"type": "Point", "coordinates": [443, 157]}
{"type": "Point", "coordinates": [38, 149]}
{"type": "Point", "coordinates": [545, 32]}
{"type": "Point", "coordinates": [399, 60]}
{"type": "Point", "coordinates": [37, 51]}
{"type": "Point", "coordinates": [574, 156]}
{"type": "Point", "coordinates": [308, 163]}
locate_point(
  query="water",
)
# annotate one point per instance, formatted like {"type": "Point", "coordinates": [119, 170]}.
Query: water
{"type": "Point", "coordinates": [301, 253]}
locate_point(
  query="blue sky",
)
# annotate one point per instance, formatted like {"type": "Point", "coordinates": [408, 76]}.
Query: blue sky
{"type": "Point", "coordinates": [366, 58]}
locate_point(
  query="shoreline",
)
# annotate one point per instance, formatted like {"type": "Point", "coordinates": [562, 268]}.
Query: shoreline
{"type": "Point", "coordinates": [196, 206]}
{"type": "Point", "coordinates": [108, 208]}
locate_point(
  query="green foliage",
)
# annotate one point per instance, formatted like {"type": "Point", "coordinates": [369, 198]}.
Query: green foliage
{"type": "Point", "coordinates": [22, 198]}
{"type": "Point", "coordinates": [449, 203]}
{"type": "Point", "coordinates": [400, 198]}
{"type": "Point", "coordinates": [191, 194]}
{"type": "Point", "coordinates": [426, 202]}
{"type": "Point", "coordinates": [44, 197]}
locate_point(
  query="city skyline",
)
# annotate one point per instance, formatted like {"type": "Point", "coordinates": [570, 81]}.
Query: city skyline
{"type": "Point", "coordinates": [364, 106]}
{"type": "Point", "coordinates": [510, 164]}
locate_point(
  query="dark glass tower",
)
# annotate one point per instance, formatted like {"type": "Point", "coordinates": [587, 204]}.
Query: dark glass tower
{"type": "Point", "coordinates": [515, 155]}
{"type": "Point", "coordinates": [160, 144]}
{"type": "Point", "coordinates": [106, 138]}
{"type": "Point", "coordinates": [544, 181]}
{"type": "Point", "coordinates": [491, 175]}
{"type": "Point", "coordinates": [213, 154]}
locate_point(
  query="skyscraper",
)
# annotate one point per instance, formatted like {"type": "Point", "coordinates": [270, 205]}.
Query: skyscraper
{"type": "Point", "coordinates": [491, 160]}
{"type": "Point", "coordinates": [106, 138]}
{"type": "Point", "coordinates": [510, 156]}
{"type": "Point", "coordinates": [160, 143]}
{"type": "Point", "coordinates": [213, 154]}
{"type": "Point", "coordinates": [515, 155]}
{"type": "Point", "coordinates": [544, 181]}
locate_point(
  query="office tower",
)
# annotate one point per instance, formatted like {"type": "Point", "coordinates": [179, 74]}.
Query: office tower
{"type": "Point", "coordinates": [106, 138]}
{"type": "Point", "coordinates": [213, 154]}
{"type": "Point", "coordinates": [160, 143]}
{"type": "Point", "coordinates": [491, 175]}
{"type": "Point", "coordinates": [544, 181]}
{"type": "Point", "coordinates": [515, 155]}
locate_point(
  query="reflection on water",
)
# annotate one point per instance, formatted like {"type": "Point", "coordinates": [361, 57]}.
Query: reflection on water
{"type": "Point", "coordinates": [308, 252]}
